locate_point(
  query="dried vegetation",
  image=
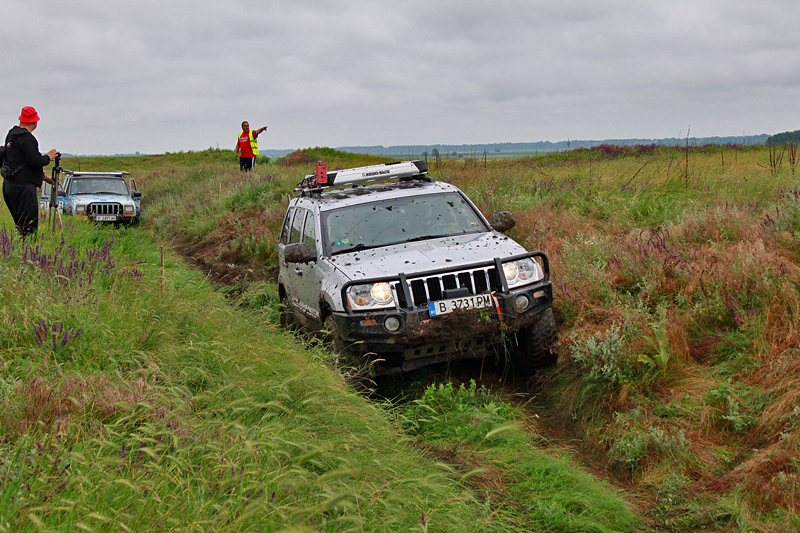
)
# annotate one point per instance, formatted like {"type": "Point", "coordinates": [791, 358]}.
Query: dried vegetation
{"type": "Point", "coordinates": [676, 274]}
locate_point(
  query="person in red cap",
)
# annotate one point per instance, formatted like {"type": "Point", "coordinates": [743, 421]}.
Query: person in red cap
{"type": "Point", "coordinates": [23, 172]}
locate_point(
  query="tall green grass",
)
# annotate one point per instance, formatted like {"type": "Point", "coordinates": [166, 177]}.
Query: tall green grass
{"type": "Point", "coordinates": [173, 410]}
{"type": "Point", "coordinates": [675, 273]}
{"type": "Point", "coordinates": [546, 491]}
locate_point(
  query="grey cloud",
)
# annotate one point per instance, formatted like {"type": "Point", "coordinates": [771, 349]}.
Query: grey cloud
{"type": "Point", "coordinates": [110, 77]}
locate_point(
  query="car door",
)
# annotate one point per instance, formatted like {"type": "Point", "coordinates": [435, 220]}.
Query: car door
{"type": "Point", "coordinates": [302, 281]}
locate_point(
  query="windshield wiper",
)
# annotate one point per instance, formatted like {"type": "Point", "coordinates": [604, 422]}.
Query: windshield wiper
{"type": "Point", "coordinates": [426, 237]}
{"type": "Point", "coordinates": [358, 248]}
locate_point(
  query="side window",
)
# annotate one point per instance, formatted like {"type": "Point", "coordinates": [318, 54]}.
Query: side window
{"type": "Point", "coordinates": [297, 226]}
{"type": "Point", "coordinates": [286, 226]}
{"type": "Point", "coordinates": [309, 234]}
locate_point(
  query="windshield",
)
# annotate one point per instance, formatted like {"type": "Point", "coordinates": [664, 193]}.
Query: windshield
{"type": "Point", "coordinates": [399, 220]}
{"type": "Point", "coordinates": [98, 186]}
{"type": "Point", "coordinates": [47, 188]}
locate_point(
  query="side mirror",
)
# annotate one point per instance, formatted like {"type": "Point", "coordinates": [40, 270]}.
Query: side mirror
{"type": "Point", "coordinates": [503, 221]}
{"type": "Point", "coordinates": [299, 252]}
{"type": "Point", "coordinates": [136, 194]}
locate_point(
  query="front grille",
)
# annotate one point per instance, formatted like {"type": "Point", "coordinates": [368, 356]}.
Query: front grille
{"type": "Point", "coordinates": [431, 289]}
{"type": "Point", "coordinates": [105, 208]}
{"type": "Point", "coordinates": [417, 290]}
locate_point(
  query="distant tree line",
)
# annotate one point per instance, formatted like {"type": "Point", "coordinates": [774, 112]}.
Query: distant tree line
{"type": "Point", "coordinates": [785, 138]}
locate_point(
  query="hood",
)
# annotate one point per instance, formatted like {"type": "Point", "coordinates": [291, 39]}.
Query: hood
{"type": "Point", "coordinates": [419, 256]}
{"type": "Point", "coordinates": [94, 198]}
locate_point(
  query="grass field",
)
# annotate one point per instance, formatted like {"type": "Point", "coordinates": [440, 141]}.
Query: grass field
{"type": "Point", "coordinates": [140, 402]}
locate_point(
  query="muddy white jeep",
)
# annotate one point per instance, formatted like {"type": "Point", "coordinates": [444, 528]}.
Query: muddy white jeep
{"type": "Point", "coordinates": [406, 273]}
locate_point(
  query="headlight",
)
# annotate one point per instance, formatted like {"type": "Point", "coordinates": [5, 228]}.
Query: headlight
{"type": "Point", "coordinates": [374, 296]}
{"type": "Point", "coordinates": [128, 209]}
{"type": "Point", "coordinates": [510, 270]}
{"type": "Point", "coordinates": [382, 292]}
{"type": "Point", "coordinates": [522, 271]}
{"type": "Point", "coordinates": [80, 209]}
{"type": "Point", "coordinates": [527, 270]}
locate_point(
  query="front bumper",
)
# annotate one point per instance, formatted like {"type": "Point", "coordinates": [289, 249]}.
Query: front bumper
{"type": "Point", "coordinates": [111, 219]}
{"type": "Point", "coordinates": [422, 339]}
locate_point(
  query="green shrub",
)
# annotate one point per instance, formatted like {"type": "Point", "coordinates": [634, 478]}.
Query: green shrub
{"type": "Point", "coordinates": [604, 359]}
{"type": "Point", "coordinates": [638, 439]}
{"type": "Point", "coordinates": [467, 414]}
{"type": "Point", "coordinates": [731, 415]}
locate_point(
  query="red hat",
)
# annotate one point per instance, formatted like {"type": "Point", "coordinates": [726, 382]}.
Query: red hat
{"type": "Point", "coordinates": [28, 115]}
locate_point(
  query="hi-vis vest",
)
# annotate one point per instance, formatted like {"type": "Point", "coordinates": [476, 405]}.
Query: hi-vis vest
{"type": "Point", "coordinates": [253, 142]}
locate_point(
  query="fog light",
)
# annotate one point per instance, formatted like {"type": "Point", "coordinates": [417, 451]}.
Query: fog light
{"type": "Point", "coordinates": [521, 302]}
{"type": "Point", "coordinates": [392, 323]}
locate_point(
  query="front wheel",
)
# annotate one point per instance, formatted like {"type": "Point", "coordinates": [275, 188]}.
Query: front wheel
{"type": "Point", "coordinates": [354, 368]}
{"type": "Point", "coordinates": [285, 317]}
{"type": "Point", "coordinates": [332, 336]}
{"type": "Point", "coordinates": [535, 346]}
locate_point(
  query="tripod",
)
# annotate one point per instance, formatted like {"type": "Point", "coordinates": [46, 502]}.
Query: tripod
{"type": "Point", "coordinates": [55, 211]}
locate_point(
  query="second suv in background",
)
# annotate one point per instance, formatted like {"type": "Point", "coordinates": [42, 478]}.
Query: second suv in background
{"type": "Point", "coordinates": [99, 196]}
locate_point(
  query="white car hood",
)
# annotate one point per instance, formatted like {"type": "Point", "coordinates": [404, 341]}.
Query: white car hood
{"type": "Point", "coordinates": [426, 255]}
{"type": "Point", "coordinates": [89, 198]}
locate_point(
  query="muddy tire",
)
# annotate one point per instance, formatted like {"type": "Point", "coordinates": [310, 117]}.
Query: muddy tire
{"type": "Point", "coordinates": [285, 317]}
{"type": "Point", "coordinates": [535, 348]}
{"type": "Point", "coordinates": [355, 369]}
{"type": "Point", "coordinates": [332, 336]}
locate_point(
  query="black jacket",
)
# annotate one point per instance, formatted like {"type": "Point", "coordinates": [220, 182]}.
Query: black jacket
{"type": "Point", "coordinates": [23, 154]}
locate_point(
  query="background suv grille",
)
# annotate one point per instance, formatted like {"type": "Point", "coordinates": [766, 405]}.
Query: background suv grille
{"type": "Point", "coordinates": [105, 208]}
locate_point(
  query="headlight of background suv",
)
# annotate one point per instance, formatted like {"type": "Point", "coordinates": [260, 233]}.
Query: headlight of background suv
{"type": "Point", "coordinates": [522, 271]}
{"type": "Point", "coordinates": [374, 296]}
{"type": "Point", "coordinates": [80, 209]}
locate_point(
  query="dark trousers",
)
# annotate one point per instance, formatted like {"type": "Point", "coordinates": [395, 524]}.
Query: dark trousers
{"type": "Point", "coordinates": [247, 163]}
{"type": "Point", "coordinates": [23, 204]}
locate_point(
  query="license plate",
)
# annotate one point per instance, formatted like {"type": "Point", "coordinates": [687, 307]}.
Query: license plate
{"type": "Point", "coordinates": [105, 218]}
{"type": "Point", "coordinates": [443, 307]}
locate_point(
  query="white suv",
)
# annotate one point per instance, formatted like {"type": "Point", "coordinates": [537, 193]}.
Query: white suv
{"type": "Point", "coordinates": [98, 196]}
{"type": "Point", "coordinates": [408, 273]}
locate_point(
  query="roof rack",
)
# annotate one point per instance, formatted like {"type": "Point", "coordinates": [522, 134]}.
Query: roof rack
{"type": "Point", "coordinates": [402, 170]}
{"type": "Point", "coordinates": [116, 173]}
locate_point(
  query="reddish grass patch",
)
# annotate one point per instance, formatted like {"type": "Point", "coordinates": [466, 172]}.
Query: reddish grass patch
{"type": "Point", "coordinates": [73, 400]}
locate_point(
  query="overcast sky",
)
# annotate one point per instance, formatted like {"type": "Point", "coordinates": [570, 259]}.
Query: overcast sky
{"type": "Point", "coordinates": [158, 76]}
